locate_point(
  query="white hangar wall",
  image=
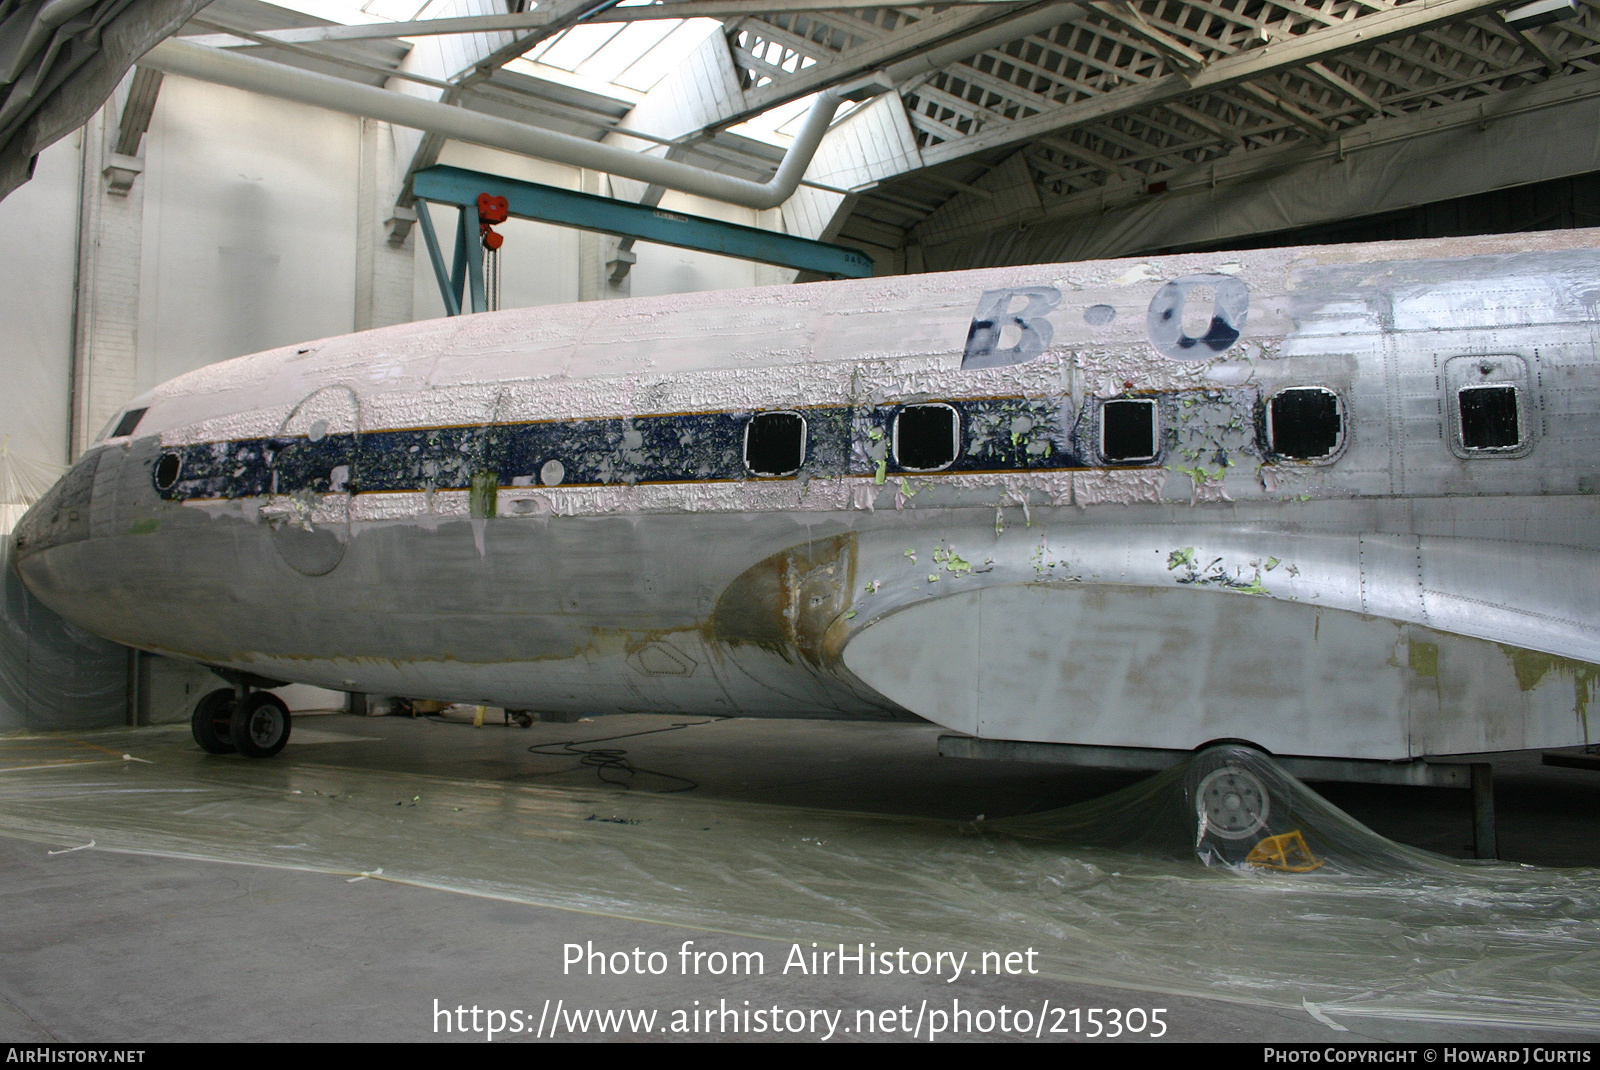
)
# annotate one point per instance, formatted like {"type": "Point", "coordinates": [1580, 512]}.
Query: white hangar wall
{"type": "Point", "coordinates": [51, 674]}
{"type": "Point", "coordinates": [249, 227]}
{"type": "Point", "coordinates": [38, 272]}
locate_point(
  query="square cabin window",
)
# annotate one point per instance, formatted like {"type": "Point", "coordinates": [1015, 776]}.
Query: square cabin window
{"type": "Point", "coordinates": [926, 437]}
{"type": "Point", "coordinates": [1305, 423]}
{"type": "Point", "coordinates": [1128, 431]}
{"type": "Point", "coordinates": [129, 422]}
{"type": "Point", "coordinates": [1489, 419]}
{"type": "Point", "coordinates": [775, 443]}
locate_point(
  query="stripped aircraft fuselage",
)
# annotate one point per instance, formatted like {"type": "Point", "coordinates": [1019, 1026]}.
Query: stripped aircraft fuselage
{"type": "Point", "coordinates": [1333, 501]}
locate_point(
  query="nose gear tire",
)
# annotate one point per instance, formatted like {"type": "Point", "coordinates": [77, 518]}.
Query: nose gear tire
{"type": "Point", "coordinates": [212, 722]}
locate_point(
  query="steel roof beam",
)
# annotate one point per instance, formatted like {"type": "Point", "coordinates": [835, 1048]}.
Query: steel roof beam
{"type": "Point", "coordinates": [1243, 167]}
{"type": "Point", "coordinates": [922, 48]}
{"type": "Point", "coordinates": [535, 20]}
{"type": "Point", "coordinates": [1228, 71]}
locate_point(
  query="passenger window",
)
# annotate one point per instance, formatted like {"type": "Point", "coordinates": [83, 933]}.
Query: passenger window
{"type": "Point", "coordinates": [926, 437]}
{"type": "Point", "coordinates": [1489, 418]}
{"type": "Point", "coordinates": [1305, 423]}
{"type": "Point", "coordinates": [167, 470]}
{"type": "Point", "coordinates": [1128, 430]}
{"type": "Point", "coordinates": [775, 443]}
{"type": "Point", "coordinates": [129, 422]}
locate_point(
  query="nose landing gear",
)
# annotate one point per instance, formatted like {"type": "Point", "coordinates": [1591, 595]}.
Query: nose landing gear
{"type": "Point", "coordinates": [212, 722]}
{"type": "Point", "coordinates": [254, 724]}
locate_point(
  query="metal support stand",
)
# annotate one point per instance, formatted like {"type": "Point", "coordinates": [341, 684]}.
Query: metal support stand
{"type": "Point", "coordinates": [138, 688]}
{"type": "Point", "coordinates": [463, 287]}
{"type": "Point", "coordinates": [430, 237]}
{"type": "Point", "coordinates": [1483, 834]}
{"type": "Point", "coordinates": [471, 249]}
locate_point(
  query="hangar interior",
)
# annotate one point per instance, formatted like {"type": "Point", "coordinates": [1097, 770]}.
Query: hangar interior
{"type": "Point", "coordinates": [166, 208]}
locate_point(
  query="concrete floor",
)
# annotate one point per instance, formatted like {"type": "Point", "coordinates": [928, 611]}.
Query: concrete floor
{"type": "Point", "coordinates": [101, 947]}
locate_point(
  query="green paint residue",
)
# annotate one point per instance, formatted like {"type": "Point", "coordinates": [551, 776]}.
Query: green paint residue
{"type": "Point", "coordinates": [906, 488]}
{"type": "Point", "coordinates": [1200, 476]}
{"type": "Point", "coordinates": [1531, 666]}
{"type": "Point", "coordinates": [1181, 557]}
{"type": "Point", "coordinates": [933, 577]}
{"type": "Point", "coordinates": [954, 563]}
{"type": "Point", "coordinates": [148, 526]}
{"type": "Point", "coordinates": [484, 498]}
{"type": "Point", "coordinates": [1272, 563]}
{"type": "Point", "coordinates": [912, 555]}
{"type": "Point", "coordinates": [883, 471]}
{"type": "Point", "coordinates": [1253, 587]}
{"type": "Point", "coordinates": [1424, 659]}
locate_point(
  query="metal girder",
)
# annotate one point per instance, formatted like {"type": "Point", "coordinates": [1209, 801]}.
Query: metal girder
{"type": "Point", "coordinates": [563, 207]}
{"type": "Point", "coordinates": [1326, 99]}
{"type": "Point", "coordinates": [1243, 171]}
{"type": "Point", "coordinates": [831, 68]}
{"type": "Point", "coordinates": [538, 19]}
{"type": "Point", "coordinates": [1227, 71]}
{"type": "Point", "coordinates": [561, 14]}
{"type": "Point", "coordinates": [137, 111]}
{"type": "Point", "coordinates": [1168, 45]}
{"type": "Point", "coordinates": [241, 36]}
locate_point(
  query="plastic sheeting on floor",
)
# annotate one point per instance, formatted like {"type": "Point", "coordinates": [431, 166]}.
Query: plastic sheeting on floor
{"type": "Point", "coordinates": [1224, 877]}
{"type": "Point", "coordinates": [53, 675]}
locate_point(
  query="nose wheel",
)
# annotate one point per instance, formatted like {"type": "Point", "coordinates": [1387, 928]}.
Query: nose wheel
{"type": "Point", "coordinates": [212, 722]}
{"type": "Point", "coordinates": [256, 726]}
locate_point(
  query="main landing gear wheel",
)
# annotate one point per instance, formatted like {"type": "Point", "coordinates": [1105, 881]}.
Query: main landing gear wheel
{"type": "Point", "coordinates": [260, 725]}
{"type": "Point", "coordinates": [1232, 803]}
{"type": "Point", "coordinates": [212, 722]}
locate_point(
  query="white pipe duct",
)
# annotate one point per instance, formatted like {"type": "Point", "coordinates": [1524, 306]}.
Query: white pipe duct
{"type": "Point", "coordinates": [339, 94]}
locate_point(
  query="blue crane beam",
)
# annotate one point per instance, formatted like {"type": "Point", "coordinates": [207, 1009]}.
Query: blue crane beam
{"type": "Point", "coordinates": [459, 188]}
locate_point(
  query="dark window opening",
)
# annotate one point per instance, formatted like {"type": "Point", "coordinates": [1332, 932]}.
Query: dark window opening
{"type": "Point", "coordinates": [1489, 418]}
{"type": "Point", "coordinates": [130, 421]}
{"type": "Point", "coordinates": [1128, 431]}
{"type": "Point", "coordinates": [775, 443]}
{"type": "Point", "coordinates": [926, 437]}
{"type": "Point", "coordinates": [167, 470]}
{"type": "Point", "coordinates": [1305, 423]}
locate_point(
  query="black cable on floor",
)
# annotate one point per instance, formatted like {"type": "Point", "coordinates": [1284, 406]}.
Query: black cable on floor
{"type": "Point", "coordinates": [614, 760]}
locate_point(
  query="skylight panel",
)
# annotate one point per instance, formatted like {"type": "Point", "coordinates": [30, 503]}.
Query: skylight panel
{"type": "Point", "coordinates": [684, 37]}
{"type": "Point", "coordinates": [627, 48]}
{"type": "Point", "coordinates": [394, 10]}
{"type": "Point", "coordinates": [571, 49]}
{"type": "Point", "coordinates": [346, 12]}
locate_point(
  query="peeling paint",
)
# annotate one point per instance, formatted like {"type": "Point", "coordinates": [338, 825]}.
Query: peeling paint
{"type": "Point", "coordinates": [1125, 486]}
{"type": "Point", "coordinates": [1531, 667]}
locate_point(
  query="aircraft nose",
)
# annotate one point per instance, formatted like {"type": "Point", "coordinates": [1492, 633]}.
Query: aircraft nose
{"type": "Point", "coordinates": [62, 515]}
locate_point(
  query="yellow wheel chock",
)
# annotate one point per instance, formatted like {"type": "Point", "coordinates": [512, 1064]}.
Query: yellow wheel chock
{"type": "Point", "coordinates": [1287, 853]}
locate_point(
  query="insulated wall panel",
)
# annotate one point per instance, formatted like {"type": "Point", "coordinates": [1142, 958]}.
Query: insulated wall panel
{"type": "Point", "coordinates": [249, 228]}
{"type": "Point", "coordinates": [39, 234]}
